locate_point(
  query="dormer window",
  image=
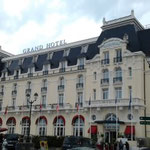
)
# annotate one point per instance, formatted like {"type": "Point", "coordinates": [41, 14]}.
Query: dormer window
{"type": "Point", "coordinates": [30, 71]}
{"type": "Point", "coordinates": [84, 48]}
{"type": "Point", "coordinates": [118, 57]}
{"type": "Point", "coordinates": [16, 74]}
{"type": "Point", "coordinates": [34, 59]}
{"type": "Point", "coordinates": [81, 63]}
{"type": "Point", "coordinates": [49, 56]}
{"type": "Point", "coordinates": [62, 66]}
{"type": "Point", "coordinates": [66, 52]}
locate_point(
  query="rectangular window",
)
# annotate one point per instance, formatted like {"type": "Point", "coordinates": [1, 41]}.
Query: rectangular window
{"type": "Point", "coordinates": [106, 55]}
{"type": "Point", "coordinates": [62, 64]}
{"type": "Point", "coordinates": [118, 92]}
{"type": "Point", "coordinates": [14, 102]}
{"type": "Point", "coordinates": [1, 104]}
{"type": "Point", "coordinates": [31, 70]}
{"type": "Point", "coordinates": [130, 71]}
{"type": "Point", "coordinates": [29, 85]}
{"type": "Point", "coordinates": [95, 75]}
{"type": "Point", "coordinates": [45, 67]}
{"type": "Point", "coordinates": [15, 86]}
{"type": "Point", "coordinates": [94, 94]}
{"type": "Point", "coordinates": [44, 83]}
{"type": "Point", "coordinates": [61, 99]}
{"type": "Point", "coordinates": [80, 98]}
{"type": "Point", "coordinates": [81, 62]}
{"type": "Point", "coordinates": [44, 100]}
{"type": "Point", "coordinates": [118, 53]}
{"type": "Point", "coordinates": [105, 93]}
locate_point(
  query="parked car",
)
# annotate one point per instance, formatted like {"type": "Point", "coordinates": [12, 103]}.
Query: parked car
{"type": "Point", "coordinates": [74, 142]}
{"type": "Point", "coordinates": [12, 140]}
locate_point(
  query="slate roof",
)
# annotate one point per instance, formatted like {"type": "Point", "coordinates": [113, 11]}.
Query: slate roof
{"type": "Point", "coordinates": [138, 41]}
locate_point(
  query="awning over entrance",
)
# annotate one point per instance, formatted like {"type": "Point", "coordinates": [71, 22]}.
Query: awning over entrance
{"type": "Point", "coordinates": [3, 129]}
{"type": "Point", "coordinates": [109, 121]}
{"type": "Point", "coordinates": [129, 130]}
{"type": "Point", "coordinates": [93, 130]}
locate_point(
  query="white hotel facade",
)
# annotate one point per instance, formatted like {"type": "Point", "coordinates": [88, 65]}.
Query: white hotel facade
{"type": "Point", "coordinates": [111, 71]}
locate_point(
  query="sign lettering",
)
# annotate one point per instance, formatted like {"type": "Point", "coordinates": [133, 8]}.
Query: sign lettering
{"type": "Point", "coordinates": [48, 45]}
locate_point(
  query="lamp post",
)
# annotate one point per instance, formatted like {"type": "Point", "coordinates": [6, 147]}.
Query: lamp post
{"type": "Point", "coordinates": [30, 102]}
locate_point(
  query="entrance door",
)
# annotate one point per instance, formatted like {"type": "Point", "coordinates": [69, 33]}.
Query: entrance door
{"type": "Point", "coordinates": [110, 136]}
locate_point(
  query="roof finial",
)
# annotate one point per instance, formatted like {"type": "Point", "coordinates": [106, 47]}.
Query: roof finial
{"type": "Point", "coordinates": [104, 21]}
{"type": "Point", "coordinates": [132, 12]}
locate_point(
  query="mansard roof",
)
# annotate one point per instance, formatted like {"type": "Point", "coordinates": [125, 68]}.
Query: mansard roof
{"type": "Point", "coordinates": [138, 40]}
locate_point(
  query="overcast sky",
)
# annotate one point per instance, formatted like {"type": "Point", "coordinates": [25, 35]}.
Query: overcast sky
{"type": "Point", "coordinates": [28, 23]}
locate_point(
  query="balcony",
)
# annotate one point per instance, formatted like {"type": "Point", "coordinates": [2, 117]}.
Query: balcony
{"type": "Point", "coordinates": [44, 90]}
{"type": "Point", "coordinates": [105, 81]}
{"type": "Point", "coordinates": [104, 61]}
{"type": "Point", "coordinates": [80, 67]}
{"type": "Point", "coordinates": [16, 77]}
{"type": "Point", "coordinates": [14, 93]}
{"type": "Point", "coordinates": [61, 87]}
{"type": "Point", "coordinates": [45, 72]}
{"type": "Point", "coordinates": [79, 86]}
{"type": "Point", "coordinates": [117, 80]}
{"type": "Point", "coordinates": [136, 102]}
{"type": "Point", "coordinates": [62, 106]}
{"type": "Point", "coordinates": [28, 91]}
{"type": "Point", "coordinates": [62, 70]}
{"type": "Point", "coordinates": [80, 105]}
{"type": "Point", "coordinates": [117, 59]}
{"type": "Point", "coordinates": [30, 75]}
{"type": "Point", "coordinates": [3, 79]}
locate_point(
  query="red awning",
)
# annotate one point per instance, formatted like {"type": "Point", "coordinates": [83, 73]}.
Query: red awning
{"type": "Point", "coordinates": [11, 119]}
{"type": "Point", "coordinates": [26, 118]}
{"type": "Point", "coordinates": [60, 116]}
{"type": "Point", "coordinates": [76, 117]}
{"type": "Point", "coordinates": [1, 122]}
{"type": "Point", "coordinates": [41, 117]}
{"type": "Point", "coordinates": [129, 130]}
{"type": "Point", "coordinates": [3, 129]}
{"type": "Point", "coordinates": [93, 130]}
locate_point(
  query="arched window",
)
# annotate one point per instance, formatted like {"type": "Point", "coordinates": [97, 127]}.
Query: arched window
{"type": "Point", "coordinates": [105, 74]}
{"type": "Point", "coordinates": [118, 72]}
{"type": "Point", "coordinates": [11, 123]}
{"type": "Point", "coordinates": [59, 126]}
{"type": "Point", "coordinates": [1, 122]}
{"type": "Point", "coordinates": [41, 123]}
{"type": "Point", "coordinates": [78, 125]}
{"type": "Point", "coordinates": [25, 125]}
{"type": "Point", "coordinates": [110, 117]}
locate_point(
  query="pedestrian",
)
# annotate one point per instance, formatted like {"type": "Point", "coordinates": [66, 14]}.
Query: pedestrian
{"type": "Point", "coordinates": [120, 145]}
{"type": "Point", "coordinates": [127, 146]}
{"type": "Point", "coordinates": [4, 144]}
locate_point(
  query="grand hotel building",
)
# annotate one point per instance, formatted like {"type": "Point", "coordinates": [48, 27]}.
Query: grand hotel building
{"type": "Point", "coordinates": [93, 82]}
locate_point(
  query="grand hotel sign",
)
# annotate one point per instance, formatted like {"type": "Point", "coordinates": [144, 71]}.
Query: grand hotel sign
{"type": "Point", "coordinates": [41, 47]}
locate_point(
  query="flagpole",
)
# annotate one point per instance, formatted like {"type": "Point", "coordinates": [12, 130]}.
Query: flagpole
{"type": "Point", "coordinates": [90, 117]}
{"type": "Point", "coordinates": [78, 120]}
{"type": "Point", "coordinates": [57, 109]}
{"type": "Point", "coordinates": [131, 122]}
{"type": "Point", "coordinates": [116, 118]}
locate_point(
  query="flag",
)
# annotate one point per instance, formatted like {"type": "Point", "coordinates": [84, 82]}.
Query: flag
{"type": "Point", "coordinates": [130, 101]}
{"type": "Point", "coordinates": [6, 110]}
{"type": "Point", "coordinates": [89, 101]}
{"type": "Point", "coordinates": [40, 107]}
{"type": "Point", "coordinates": [77, 105]}
{"type": "Point", "coordinates": [57, 107]}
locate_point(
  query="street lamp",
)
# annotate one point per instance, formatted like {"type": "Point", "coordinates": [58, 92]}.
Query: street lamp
{"type": "Point", "coordinates": [30, 102]}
